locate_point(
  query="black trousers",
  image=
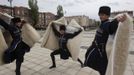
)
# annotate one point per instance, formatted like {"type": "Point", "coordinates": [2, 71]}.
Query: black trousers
{"type": "Point", "coordinates": [97, 59]}
{"type": "Point", "coordinates": [18, 54]}
{"type": "Point", "coordinates": [16, 51]}
{"type": "Point", "coordinates": [57, 52]}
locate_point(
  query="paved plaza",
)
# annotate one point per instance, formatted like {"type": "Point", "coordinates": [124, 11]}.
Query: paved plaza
{"type": "Point", "coordinates": [37, 61]}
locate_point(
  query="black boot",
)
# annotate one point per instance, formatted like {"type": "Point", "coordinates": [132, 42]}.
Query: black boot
{"type": "Point", "coordinates": [53, 66]}
{"type": "Point", "coordinates": [53, 61]}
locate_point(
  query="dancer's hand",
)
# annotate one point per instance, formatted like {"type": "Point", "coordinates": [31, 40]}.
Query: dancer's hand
{"type": "Point", "coordinates": [121, 18]}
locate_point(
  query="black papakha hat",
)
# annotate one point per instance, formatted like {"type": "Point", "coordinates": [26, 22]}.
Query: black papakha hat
{"type": "Point", "coordinates": [15, 20]}
{"type": "Point", "coordinates": [105, 10]}
{"type": "Point", "coordinates": [63, 27]}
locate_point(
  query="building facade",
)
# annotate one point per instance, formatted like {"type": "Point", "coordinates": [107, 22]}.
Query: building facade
{"type": "Point", "coordinates": [83, 20]}
{"type": "Point", "coordinates": [5, 9]}
{"type": "Point", "coordinates": [22, 12]}
{"type": "Point", "coordinates": [113, 14]}
{"type": "Point", "coordinates": [41, 21]}
{"type": "Point", "coordinates": [48, 18]}
{"type": "Point", "coordinates": [44, 17]}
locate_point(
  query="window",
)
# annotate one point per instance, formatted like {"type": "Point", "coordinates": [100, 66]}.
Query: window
{"type": "Point", "coordinates": [18, 12]}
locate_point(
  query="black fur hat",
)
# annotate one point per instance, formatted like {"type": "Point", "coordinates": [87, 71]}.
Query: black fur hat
{"type": "Point", "coordinates": [62, 27]}
{"type": "Point", "coordinates": [105, 10]}
{"type": "Point", "coordinates": [15, 20]}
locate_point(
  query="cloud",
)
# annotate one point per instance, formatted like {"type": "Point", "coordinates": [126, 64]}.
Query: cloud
{"type": "Point", "coordinates": [47, 1]}
{"type": "Point", "coordinates": [114, 4]}
{"type": "Point", "coordinates": [68, 4]}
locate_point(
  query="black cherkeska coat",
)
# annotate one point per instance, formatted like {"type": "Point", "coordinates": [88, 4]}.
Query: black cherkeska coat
{"type": "Point", "coordinates": [17, 48]}
{"type": "Point", "coordinates": [63, 39]}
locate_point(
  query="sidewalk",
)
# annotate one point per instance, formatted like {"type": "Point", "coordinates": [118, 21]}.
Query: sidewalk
{"type": "Point", "coordinates": [38, 61]}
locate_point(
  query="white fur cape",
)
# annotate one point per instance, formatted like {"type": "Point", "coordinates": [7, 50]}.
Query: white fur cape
{"type": "Point", "coordinates": [118, 52]}
{"type": "Point", "coordinates": [3, 46]}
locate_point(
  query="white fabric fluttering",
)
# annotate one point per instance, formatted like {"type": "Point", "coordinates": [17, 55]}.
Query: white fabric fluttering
{"type": "Point", "coordinates": [119, 50]}
{"type": "Point", "coordinates": [3, 46]}
{"type": "Point", "coordinates": [74, 44]}
{"type": "Point", "coordinates": [30, 35]}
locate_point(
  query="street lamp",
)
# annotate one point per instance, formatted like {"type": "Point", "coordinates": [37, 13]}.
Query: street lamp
{"type": "Point", "coordinates": [10, 1]}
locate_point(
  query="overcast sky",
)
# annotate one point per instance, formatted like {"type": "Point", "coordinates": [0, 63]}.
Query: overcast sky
{"type": "Point", "coordinates": [77, 7]}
